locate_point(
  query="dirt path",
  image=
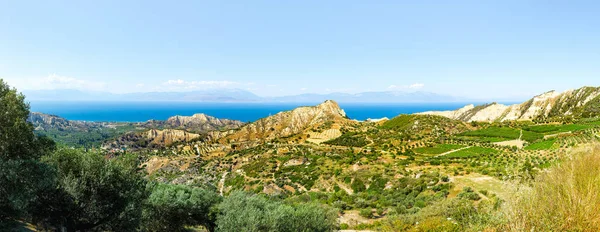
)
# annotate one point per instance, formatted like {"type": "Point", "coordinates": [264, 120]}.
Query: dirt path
{"type": "Point", "coordinates": [521, 135]}
{"type": "Point", "coordinates": [557, 134]}
{"type": "Point", "coordinates": [449, 152]}
{"type": "Point", "coordinates": [222, 183]}
{"type": "Point", "coordinates": [344, 187]}
{"type": "Point", "coordinates": [519, 143]}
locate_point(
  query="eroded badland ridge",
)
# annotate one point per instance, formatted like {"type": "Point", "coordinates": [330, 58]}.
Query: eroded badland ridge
{"type": "Point", "coordinates": [572, 103]}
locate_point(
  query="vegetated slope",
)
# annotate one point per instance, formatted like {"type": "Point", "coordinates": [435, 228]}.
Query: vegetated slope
{"type": "Point", "coordinates": [424, 124]}
{"type": "Point", "coordinates": [572, 103]}
{"type": "Point", "coordinates": [76, 133]}
{"type": "Point", "coordinates": [84, 133]}
{"type": "Point", "coordinates": [286, 123]}
{"type": "Point", "coordinates": [43, 121]}
{"type": "Point", "coordinates": [504, 132]}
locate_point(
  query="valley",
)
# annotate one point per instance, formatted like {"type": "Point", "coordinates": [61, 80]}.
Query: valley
{"type": "Point", "coordinates": [378, 175]}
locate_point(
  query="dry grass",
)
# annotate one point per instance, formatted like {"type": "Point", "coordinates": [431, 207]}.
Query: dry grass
{"type": "Point", "coordinates": [566, 198]}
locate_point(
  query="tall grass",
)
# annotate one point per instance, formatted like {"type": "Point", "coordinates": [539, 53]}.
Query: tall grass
{"type": "Point", "coordinates": [565, 198]}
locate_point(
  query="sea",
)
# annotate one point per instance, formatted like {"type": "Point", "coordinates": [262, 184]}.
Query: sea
{"type": "Point", "coordinates": [246, 112]}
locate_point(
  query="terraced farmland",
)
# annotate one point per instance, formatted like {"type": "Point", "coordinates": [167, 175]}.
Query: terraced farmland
{"type": "Point", "coordinates": [438, 149]}
{"type": "Point", "coordinates": [498, 134]}
{"type": "Point", "coordinates": [472, 152]}
{"type": "Point", "coordinates": [541, 145]}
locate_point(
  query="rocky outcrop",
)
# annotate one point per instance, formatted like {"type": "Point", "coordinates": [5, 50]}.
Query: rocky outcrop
{"type": "Point", "coordinates": [286, 123]}
{"type": "Point", "coordinates": [576, 103]}
{"type": "Point", "coordinates": [151, 139]}
{"type": "Point", "coordinates": [43, 122]}
{"type": "Point", "coordinates": [197, 123]}
{"type": "Point", "coordinates": [169, 136]}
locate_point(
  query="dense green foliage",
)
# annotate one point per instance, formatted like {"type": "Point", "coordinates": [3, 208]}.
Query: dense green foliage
{"type": "Point", "coordinates": [94, 192]}
{"type": "Point", "coordinates": [172, 207]}
{"type": "Point", "coordinates": [349, 140]}
{"type": "Point", "coordinates": [22, 176]}
{"type": "Point", "coordinates": [91, 137]}
{"type": "Point", "coordinates": [244, 212]}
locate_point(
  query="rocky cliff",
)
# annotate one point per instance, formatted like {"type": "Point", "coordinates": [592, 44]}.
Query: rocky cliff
{"type": "Point", "coordinates": [151, 139]}
{"type": "Point", "coordinates": [196, 123]}
{"type": "Point", "coordinates": [286, 123]}
{"type": "Point", "coordinates": [581, 102]}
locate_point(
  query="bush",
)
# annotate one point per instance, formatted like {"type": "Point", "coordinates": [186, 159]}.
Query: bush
{"type": "Point", "coordinates": [171, 207]}
{"type": "Point", "coordinates": [95, 193]}
{"type": "Point", "coordinates": [563, 199]}
{"type": "Point", "coordinates": [245, 212]}
{"type": "Point", "coordinates": [366, 213]}
{"type": "Point", "coordinates": [22, 177]}
{"type": "Point", "coordinates": [469, 193]}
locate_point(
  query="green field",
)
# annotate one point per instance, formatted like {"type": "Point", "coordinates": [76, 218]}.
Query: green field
{"type": "Point", "coordinates": [471, 152]}
{"type": "Point", "coordinates": [503, 132]}
{"type": "Point", "coordinates": [438, 149]}
{"type": "Point", "coordinates": [542, 145]}
{"type": "Point", "coordinates": [482, 139]}
{"type": "Point", "coordinates": [552, 129]}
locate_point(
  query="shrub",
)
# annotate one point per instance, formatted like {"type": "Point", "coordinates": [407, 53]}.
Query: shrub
{"type": "Point", "coordinates": [95, 193]}
{"type": "Point", "coordinates": [246, 212]}
{"type": "Point", "coordinates": [563, 199]}
{"type": "Point", "coordinates": [171, 207]}
{"type": "Point", "coordinates": [366, 213]}
{"type": "Point", "coordinates": [469, 193]}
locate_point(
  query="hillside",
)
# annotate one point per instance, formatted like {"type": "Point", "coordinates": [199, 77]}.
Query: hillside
{"type": "Point", "coordinates": [371, 170]}
{"type": "Point", "coordinates": [152, 138]}
{"type": "Point", "coordinates": [583, 102]}
{"type": "Point", "coordinates": [84, 133]}
{"type": "Point", "coordinates": [288, 123]}
{"type": "Point", "coordinates": [196, 123]}
{"type": "Point", "coordinates": [42, 121]}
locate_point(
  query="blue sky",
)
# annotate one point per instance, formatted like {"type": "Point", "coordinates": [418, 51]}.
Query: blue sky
{"type": "Point", "coordinates": [492, 50]}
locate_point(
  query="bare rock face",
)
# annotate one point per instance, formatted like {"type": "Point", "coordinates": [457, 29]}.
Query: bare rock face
{"type": "Point", "coordinates": [583, 101]}
{"type": "Point", "coordinates": [152, 138]}
{"type": "Point", "coordinates": [169, 136]}
{"type": "Point", "coordinates": [286, 123]}
{"type": "Point", "coordinates": [196, 123]}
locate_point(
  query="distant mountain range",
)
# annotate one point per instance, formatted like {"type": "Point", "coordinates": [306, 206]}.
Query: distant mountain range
{"type": "Point", "coordinates": [238, 95]}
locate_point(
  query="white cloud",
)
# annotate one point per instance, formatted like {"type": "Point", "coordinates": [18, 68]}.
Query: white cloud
{"type": "Point", "coordinates": [199, 84]}
{"type": "Point", "coordinates": [404, 87]}
{"type": "Point", "coordinates": [416, 86]}
{"type": "Point", "coordinates": [55, 81]}
{"type": "Point", "coordinates": [303, 89]}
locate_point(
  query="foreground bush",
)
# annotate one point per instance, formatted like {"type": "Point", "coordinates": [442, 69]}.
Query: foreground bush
{"type": "Point", "coordinates": [172, 207]}
{"type": "Point", "coordinates": [93, 193]}
{"type": "Point", "coordinates": [22, 176]}
{"type": "Point", "coordinates": [245, 212]}
{"type": "Point", "coordinates": [566, 198]}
